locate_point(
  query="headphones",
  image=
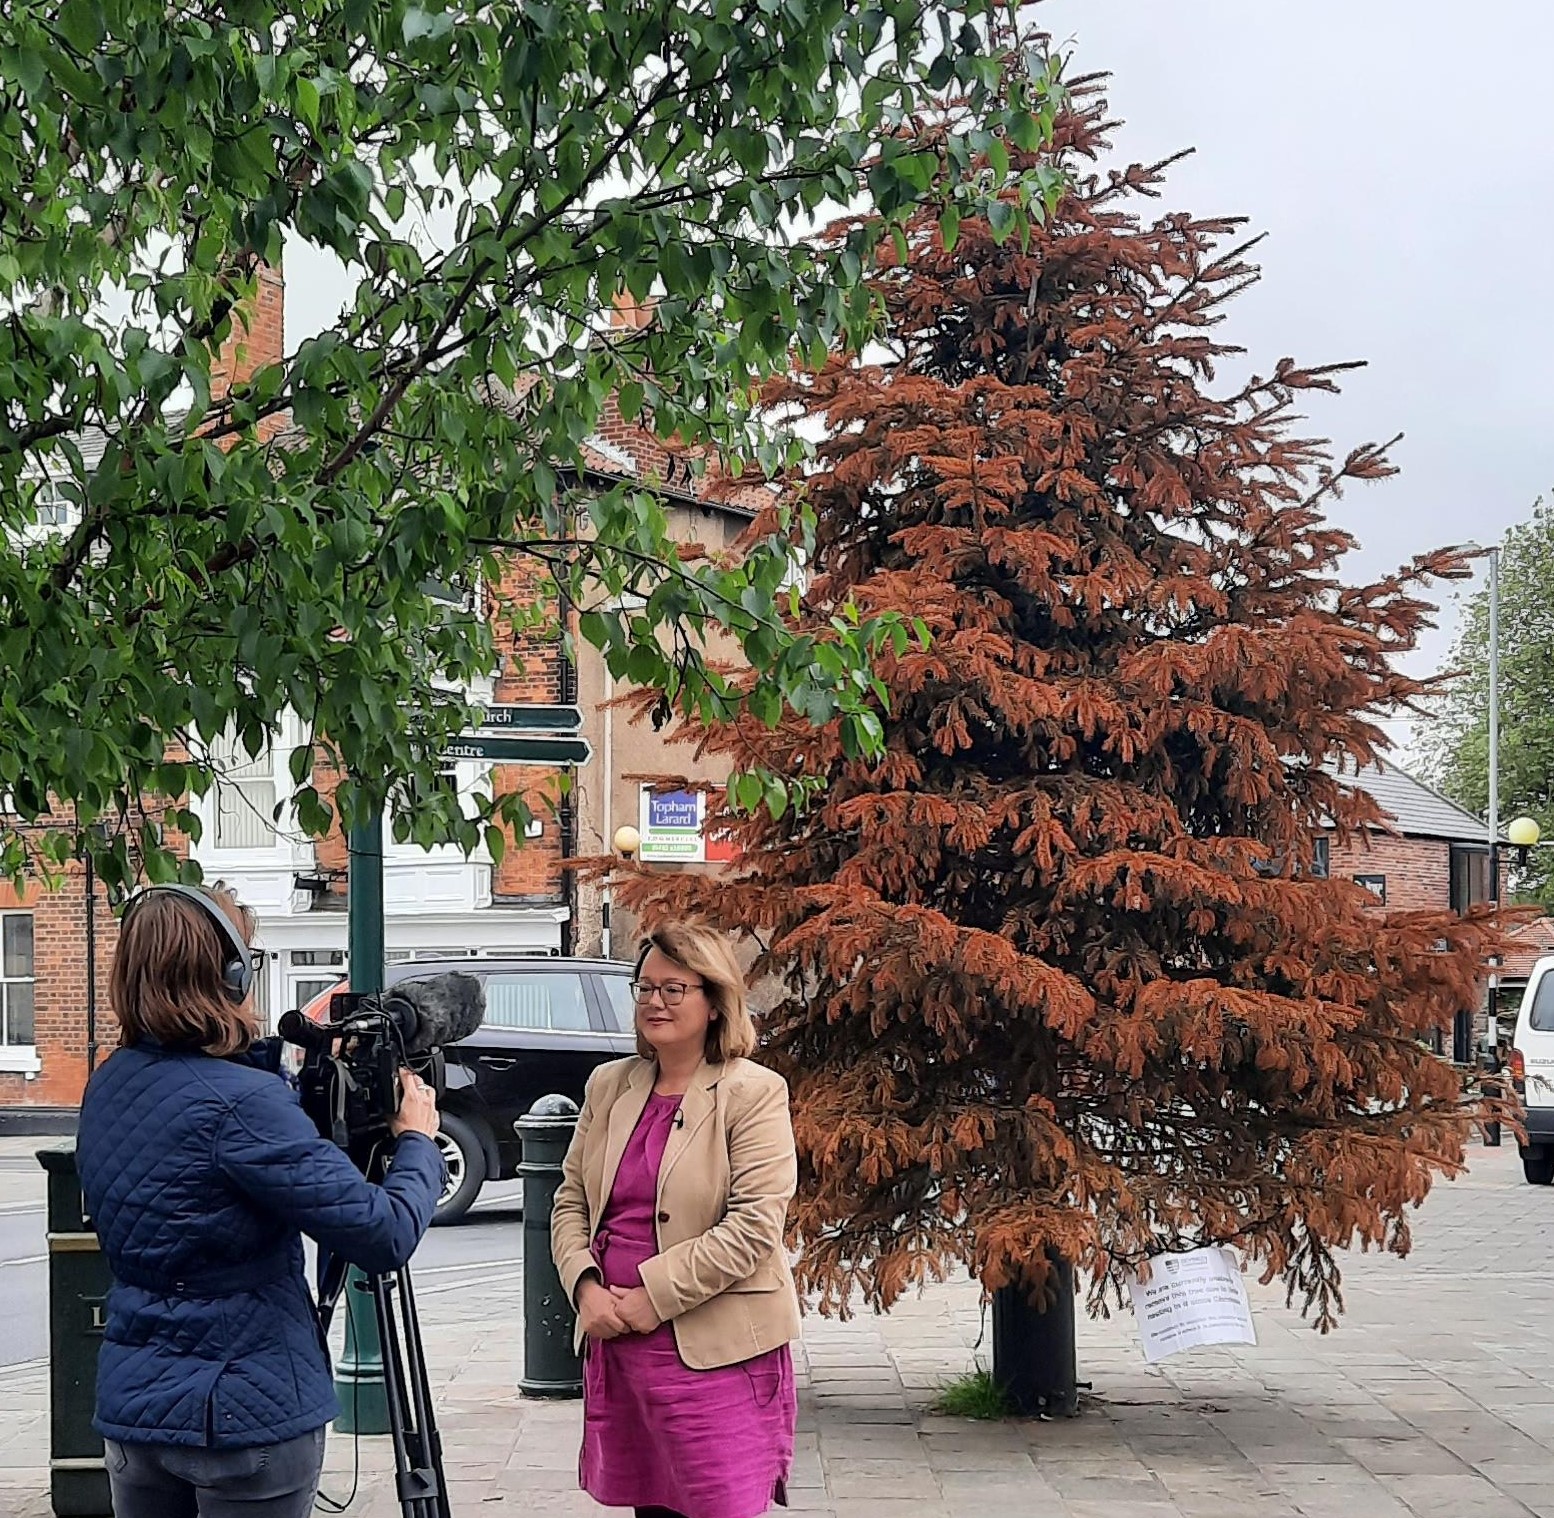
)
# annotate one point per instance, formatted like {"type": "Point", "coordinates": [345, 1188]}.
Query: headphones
{"type": "Point", "coordinates": [237, 965]}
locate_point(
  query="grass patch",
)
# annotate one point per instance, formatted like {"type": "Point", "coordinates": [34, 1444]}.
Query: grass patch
{"type": "Point", "coordinates": [974, 1395]}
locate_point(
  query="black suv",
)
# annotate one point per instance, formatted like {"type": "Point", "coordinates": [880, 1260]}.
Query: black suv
{"type": "Point", "coordinates": [548, 1023]}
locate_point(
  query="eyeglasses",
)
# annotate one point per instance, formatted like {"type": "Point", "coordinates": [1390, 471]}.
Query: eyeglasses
{"type": "Point", "coordinates": [672, 991]}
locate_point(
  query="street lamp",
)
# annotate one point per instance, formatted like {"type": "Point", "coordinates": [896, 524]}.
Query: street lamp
{"type": "Point", "coordinates": [1523, 835]}
{"type": "Point", "coordinates": [1492, 553]}
{"type": "Point", "coordinates": [627, 841]}
{"type": "Point", "coordinates": [1461, 1036]}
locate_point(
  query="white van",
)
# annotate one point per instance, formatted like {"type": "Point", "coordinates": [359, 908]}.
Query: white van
{"type": "Point", "coordinates": [1532, 1071]}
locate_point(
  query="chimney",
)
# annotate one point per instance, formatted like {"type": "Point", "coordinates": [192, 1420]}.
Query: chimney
{"type": "Point", "coordinates": [258, 336]}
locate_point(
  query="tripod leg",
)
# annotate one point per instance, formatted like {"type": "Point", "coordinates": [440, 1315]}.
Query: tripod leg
{"type": "Point", "coordinates": [419, 1486]}
{"type": "Point", "coordinates": [420, 1388]}
{"type": "Point", "coordinates": [407, 1484]}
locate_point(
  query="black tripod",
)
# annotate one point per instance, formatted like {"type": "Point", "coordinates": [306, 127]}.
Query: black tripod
{"type": "Point", "coordinates": [418, 1473]}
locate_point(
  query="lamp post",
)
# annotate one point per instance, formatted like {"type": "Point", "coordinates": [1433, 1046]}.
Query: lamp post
{"type": "Point", "coordinates": [1461, 1035]}
{"type": "Point", "coordinates": [1494, 725]}
{"type": "Point", "coordinates": [626, 842]}
{"type": "Point", "coordinates": [359, 1383]}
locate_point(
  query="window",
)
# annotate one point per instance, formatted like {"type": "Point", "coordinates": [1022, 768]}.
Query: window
{"type": "Point", "coordinates": [553, 1002]}
{"type": "Point", "coordinates": [334, 958]}
{"type": "Point", "coordinates": [1542, 1015]}
{"type": "Point", "coordinates": [617, 989]}
{"type": "Point", "coordinates": [1469, 876]}
{"type": "Point", "coordinates": [304, 989]}
{"type": "Point", "coordinates": [51, 507]}
{"type": "Point", "coordinates": [245, 795]}
{"type": "Point", "coordinates": [16, 979]}
{"type": "Point", "coordinates": [1321, 857]}
{"type": "Point", "coordinates": [445, 782]}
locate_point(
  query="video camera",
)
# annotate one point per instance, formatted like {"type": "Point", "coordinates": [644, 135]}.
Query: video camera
{"type": "Point", "coordinates": [349, 1081]}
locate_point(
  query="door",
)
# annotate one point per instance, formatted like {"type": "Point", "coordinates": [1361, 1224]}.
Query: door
{"type": "Point", "coordinates": [540, 1037]}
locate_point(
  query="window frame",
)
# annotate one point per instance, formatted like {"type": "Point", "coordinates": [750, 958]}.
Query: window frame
{"type": "Point", "coordinates": [19, 1058]}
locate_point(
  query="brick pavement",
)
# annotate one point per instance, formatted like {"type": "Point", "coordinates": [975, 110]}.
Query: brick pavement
{"type": "Point", "coordinates": [1435, 1397]}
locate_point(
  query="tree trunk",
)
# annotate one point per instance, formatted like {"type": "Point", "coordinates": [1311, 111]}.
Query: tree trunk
{"type": "Point", "coordinates": [1034, 1360]}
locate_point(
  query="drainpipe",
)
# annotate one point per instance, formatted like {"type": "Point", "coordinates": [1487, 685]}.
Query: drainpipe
{"type": "Point", "coordinates": [91, 963]}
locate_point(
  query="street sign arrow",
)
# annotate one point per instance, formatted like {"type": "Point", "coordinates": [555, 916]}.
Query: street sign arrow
{"type": "Point", "coordinates": [553, 751]}
{"type": "Point", "coordinates": [531, 717]}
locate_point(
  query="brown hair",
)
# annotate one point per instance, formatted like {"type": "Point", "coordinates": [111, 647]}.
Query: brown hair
{"type": "Point", "coordinates": [707, 953]}
{"type": "Point", "coordinates": [167, 975]}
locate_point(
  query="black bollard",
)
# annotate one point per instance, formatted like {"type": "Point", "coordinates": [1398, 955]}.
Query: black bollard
{"type": "Point", "coordinates": [79, 1281]}
{"type": "Point", "coordinates": [551, 1367]}
{"type": "Point", "coordinates": [1034, 1356]}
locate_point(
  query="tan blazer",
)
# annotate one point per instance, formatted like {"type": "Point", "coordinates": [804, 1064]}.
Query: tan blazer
{"type": "Point", "coordinates": [721, 1275]}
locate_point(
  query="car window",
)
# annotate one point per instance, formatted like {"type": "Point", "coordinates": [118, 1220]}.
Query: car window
{"type": "Point", "coordinates": [1541, 1017]}
{"type": "Point", "coordinates": [617, 989]}
{"type": "Point", "coordinates": [536, 1001]}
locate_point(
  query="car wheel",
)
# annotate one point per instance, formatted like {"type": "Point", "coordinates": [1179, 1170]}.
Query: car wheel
{"type": "Point", "coordinates": [465, 1158]}
{"type": "Point", "coordinates": [1538, 1166]}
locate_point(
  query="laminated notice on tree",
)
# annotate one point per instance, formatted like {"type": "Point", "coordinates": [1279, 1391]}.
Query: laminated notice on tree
{"type": "Point", "coordinates": [1192, 1299]}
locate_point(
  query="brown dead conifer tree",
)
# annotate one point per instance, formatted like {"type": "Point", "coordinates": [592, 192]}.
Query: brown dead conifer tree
{"type": "Point", "coordinates": [1054, 979]}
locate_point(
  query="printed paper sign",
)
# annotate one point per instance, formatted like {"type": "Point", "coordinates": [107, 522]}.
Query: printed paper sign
{"type": "Point", "coordinates": [1192, 1299]}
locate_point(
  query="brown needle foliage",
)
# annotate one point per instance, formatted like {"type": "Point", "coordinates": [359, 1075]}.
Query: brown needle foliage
{"type": "Point", "coordinates": [1054, 973]}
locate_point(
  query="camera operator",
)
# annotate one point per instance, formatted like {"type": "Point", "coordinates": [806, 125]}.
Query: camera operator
{"type": "Point", "coordinates": [202, 1173]}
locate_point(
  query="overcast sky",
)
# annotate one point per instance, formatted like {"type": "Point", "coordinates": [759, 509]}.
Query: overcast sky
{"type": "Point", "coordinates": [1400, 155]}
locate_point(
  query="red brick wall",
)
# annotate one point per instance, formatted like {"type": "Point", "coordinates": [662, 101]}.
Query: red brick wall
{"type": "Point", "coordinates": [60, 990]}
{"type": "Point", "coordinates": [532, 670]}
{"type": "Point", "coordinates": [258, 339]}
{"type": "Point", "coordinates": [1418, 870]}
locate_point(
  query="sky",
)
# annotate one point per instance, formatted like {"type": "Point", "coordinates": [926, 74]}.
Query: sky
{"type": "Point", "coordinates": [1400, 156]}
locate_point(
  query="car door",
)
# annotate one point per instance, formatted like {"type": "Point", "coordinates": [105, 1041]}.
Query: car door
{"type": "Point", "coordinates": [541, 1036]}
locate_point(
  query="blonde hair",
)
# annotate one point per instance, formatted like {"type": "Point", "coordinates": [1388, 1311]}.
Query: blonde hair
{"type": "Point", "coordinates": [166, 981]}
{"type": "Point", "coordinates": [707, 953]}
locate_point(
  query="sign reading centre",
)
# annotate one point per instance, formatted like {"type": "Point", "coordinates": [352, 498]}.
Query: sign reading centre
{"type": "Point", "coordinates": [673, 825]}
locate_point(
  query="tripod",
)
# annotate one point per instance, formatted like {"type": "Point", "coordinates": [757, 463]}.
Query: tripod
{"type": "Point", "coordinates": [418, 1474]}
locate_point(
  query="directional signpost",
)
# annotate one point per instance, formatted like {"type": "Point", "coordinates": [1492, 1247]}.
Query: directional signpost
{"type": "Point", "coordinates": [533, 719]}
{"type": "Point", "coordinates": [547, 749]}
{"type": "Point", "coordinates": [525, 734]}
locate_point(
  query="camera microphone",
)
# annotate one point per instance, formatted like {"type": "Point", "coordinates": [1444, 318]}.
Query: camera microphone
{"type": "Point", "coordinates": [679, 1118]}
{"type": "Point", "coordinates": [436, 1010]}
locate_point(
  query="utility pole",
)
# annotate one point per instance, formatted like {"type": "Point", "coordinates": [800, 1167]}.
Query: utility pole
{"type": "Point", "coordinates": [359, 1379]}
{"type": "Point", "coordinates": [1494, 725]}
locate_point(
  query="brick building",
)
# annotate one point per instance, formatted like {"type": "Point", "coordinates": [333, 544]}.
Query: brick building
{"type": "Point", "coordinates": [1438, 856]}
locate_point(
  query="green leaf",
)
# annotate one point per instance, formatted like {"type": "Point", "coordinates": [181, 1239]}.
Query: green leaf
{"type": "Point", "coordinates": [949, 227]}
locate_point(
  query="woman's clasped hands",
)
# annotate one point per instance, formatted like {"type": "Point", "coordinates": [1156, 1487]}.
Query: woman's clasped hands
{"type": "Point", "coordinates": [607, 1312]}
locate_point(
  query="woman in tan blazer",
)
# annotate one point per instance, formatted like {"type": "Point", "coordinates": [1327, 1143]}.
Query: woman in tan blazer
{"type": "Point", "coordinates": [668, 1235]}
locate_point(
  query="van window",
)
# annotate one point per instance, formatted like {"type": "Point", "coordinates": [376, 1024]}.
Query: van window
{"type": "Point", "coordinates": [553, 1002]}
{"type": "Point", "coordinates": [1541, 1017]}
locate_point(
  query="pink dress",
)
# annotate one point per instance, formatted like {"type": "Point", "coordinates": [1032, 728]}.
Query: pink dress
{"type": "Point", "coordinates": [703, 1443]}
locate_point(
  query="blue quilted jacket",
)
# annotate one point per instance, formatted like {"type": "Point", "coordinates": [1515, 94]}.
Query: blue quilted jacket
{"type": "Point", "coordinates": [201, 1176]}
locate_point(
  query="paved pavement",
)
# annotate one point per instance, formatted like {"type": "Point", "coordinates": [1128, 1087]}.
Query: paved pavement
{"type": "Point", "coordinates": [1435, 1398]}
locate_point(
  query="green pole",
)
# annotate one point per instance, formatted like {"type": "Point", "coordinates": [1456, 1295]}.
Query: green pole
{"type": "Point", "coordinates": [359, 1378]}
